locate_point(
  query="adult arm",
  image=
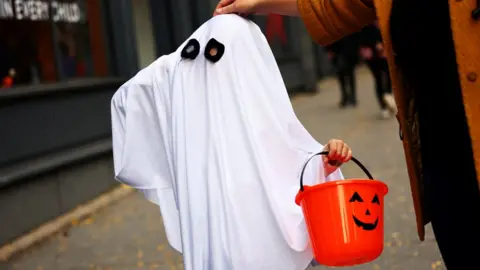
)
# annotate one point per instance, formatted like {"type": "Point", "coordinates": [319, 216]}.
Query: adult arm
{"type": "Point", "coordinates": [326, 20]}
{"type": "Point", "coordinates": [330, 20]}
{"type": "Point", "coordinates": [282, 7]}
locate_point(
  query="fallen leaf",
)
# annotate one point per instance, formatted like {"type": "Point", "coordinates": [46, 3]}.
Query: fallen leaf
{"type": "Point", "coordinates": [87, 221]}
{"type": "Point", "coordinates": [436, 264]}
{"type": "Point", "coordinates": [74, 222]}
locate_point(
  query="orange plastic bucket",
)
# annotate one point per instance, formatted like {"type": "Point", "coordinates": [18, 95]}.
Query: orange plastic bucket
{"type": "Point", "coordinates": [344, 218]}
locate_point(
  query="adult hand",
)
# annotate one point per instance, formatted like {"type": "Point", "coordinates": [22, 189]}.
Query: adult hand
{"type": "Point", "coordinates": [236, 6]}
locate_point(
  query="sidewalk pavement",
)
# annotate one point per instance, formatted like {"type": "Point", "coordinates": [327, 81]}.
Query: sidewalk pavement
{"type": "Point", "coordinates": [129, 234]}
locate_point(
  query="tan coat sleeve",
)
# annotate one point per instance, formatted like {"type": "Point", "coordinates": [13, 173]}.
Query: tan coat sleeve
{"type": "Point", "coordinates": [330, 20]}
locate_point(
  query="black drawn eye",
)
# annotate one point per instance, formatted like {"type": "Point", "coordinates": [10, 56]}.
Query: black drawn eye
{"type": "Point", "coordinates": [356, 198]}
{"type": "Point", "coordinates": [376, 200]}
{"type": "Point", "coordinates": [191, 50]}
{"type": "Point", "coordinates": [214, 50]}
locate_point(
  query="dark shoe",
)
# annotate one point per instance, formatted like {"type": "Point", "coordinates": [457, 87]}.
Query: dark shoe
{"type": "Point", "coordinates": [343, 104]}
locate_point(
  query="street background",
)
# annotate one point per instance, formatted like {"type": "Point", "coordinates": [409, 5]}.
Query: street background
{"type": "Point", "coordinates": [129, 234]}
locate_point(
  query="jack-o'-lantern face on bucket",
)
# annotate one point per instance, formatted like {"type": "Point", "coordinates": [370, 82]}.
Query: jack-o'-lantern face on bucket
{"type": "Point", "coordinates": [365, 213]}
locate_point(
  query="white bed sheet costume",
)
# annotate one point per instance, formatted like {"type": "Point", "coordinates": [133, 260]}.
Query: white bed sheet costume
{"type": "Point", "coordinates": [218, 147]}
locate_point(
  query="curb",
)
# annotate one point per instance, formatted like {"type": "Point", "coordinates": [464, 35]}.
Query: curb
{"type": "Point", "coordinates": [63, 222]}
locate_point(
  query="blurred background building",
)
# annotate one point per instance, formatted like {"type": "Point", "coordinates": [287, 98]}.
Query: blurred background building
{"type": "Point", "coordinates": [60, 63]}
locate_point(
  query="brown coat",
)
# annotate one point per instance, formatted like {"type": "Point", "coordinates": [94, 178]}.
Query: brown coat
{"type": "Point", "coordinates": [328, 21]}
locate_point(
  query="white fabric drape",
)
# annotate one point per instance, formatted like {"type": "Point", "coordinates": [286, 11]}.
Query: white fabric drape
{"type": "Point", "coordinates": [219, 148]}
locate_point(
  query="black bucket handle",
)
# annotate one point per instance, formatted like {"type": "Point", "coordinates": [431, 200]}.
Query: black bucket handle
{"type": "Point", "coordinates": [359, 164]}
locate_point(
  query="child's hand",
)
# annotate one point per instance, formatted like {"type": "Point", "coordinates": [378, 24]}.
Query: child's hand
{"type": "Point", "coordinates": [366, 53]}
{"type": "Point", "coordinates": [338, 153]}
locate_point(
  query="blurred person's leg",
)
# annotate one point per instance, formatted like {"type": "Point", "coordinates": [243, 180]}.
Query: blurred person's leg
{"type": "Point", "coordinates": [378, 78]}
{"type": "Point", "coordinates": [342, 77]}
{"type": "Point", "coordinates": [352, 98]}
{"type": "Point", "coordinates": [387, 87]}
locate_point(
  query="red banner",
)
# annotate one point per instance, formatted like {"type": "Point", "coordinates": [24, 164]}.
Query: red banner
{"type": "Point", "coordinates": [275, 28]}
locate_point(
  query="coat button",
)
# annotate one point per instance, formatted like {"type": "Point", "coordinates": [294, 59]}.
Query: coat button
{"type": "Point", "coordinates": [472, 76]}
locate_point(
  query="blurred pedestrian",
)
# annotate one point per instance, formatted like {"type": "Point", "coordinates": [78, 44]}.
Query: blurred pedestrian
{"type": "Point", "coordinates": [373, 53]}
{"type": "Point", "coordinates": [344, 56]}
{"type": "Point", "coordinates": [433, 52]}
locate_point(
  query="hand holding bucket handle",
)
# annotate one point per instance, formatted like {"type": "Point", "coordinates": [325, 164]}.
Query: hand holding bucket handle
{"type": "Point", "coordinates": [359, 164]}
{"type": "Point", "coordinates": [343, 230]}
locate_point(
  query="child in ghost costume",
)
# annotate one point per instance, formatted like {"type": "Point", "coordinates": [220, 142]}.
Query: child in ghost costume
{"type": "Point", "coordinates": [209, 134]}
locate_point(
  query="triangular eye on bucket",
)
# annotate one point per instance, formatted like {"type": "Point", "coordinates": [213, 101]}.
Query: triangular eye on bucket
{"type": "Point", "coordinates": [214, 50]}
{"type": "Point", "coordinates": [191, 50]}
{"type": "Point", "coordinates": [356, 198]}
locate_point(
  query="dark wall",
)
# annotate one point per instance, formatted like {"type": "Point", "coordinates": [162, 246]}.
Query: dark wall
{"type": "Point", "coordinates": [55, 144]}
{"type": "Point", "coordinates": [175, 20]}
{"type": "Point", "coordinates": [295, 58]}
{"type": "Point", "coordinates": [36, 124]}
{"type": "Point", "coordinates": [121, 32]}
{"type": "Point", "coordinates": [32, 202]}
{"type": "Point", "coordinates": [55, 140]}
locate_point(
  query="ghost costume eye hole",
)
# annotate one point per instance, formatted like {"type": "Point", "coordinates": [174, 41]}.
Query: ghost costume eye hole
{"type": "Point", "coordinates": [214, 50]}
{"type": "Point", "coordinates": [191, 50]}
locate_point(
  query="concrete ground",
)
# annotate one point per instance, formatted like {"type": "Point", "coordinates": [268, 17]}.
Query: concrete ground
{"type": "Point", "coordinates": [129, 234]}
